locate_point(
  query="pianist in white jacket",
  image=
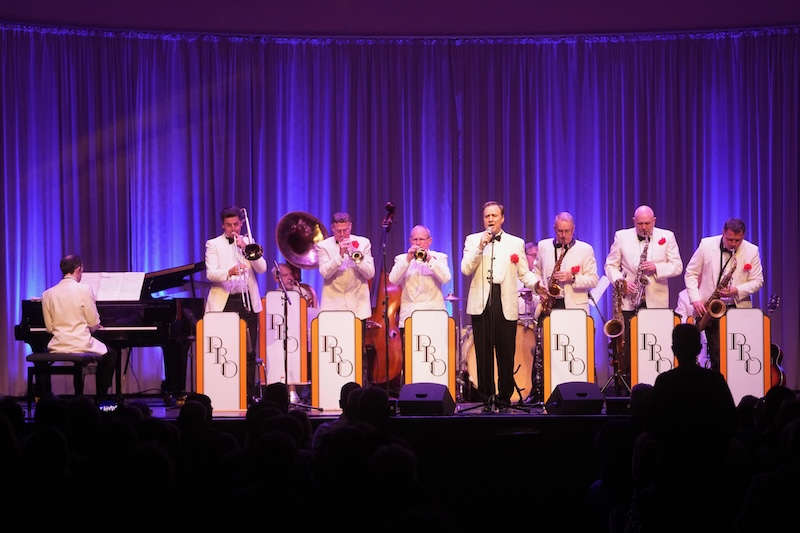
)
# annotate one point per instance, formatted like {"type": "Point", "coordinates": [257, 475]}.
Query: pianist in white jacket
{"type": "Point", "coordinates": [70, 314]}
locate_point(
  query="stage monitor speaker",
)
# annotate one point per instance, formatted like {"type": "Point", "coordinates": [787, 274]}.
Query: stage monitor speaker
{"type": "Point", "coordinates": [420, 399]}
{"type": "Point", "coordinates": [575, 398]}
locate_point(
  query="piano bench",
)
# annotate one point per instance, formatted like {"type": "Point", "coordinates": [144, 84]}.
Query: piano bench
{"type": "Point", "coordinates": [44, 366]}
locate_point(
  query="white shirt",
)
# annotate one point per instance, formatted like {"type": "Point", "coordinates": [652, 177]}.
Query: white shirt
{"type": "Point", "coordinates": [69, 313]}
{"type": "Point", "coordinates": [422, 282]}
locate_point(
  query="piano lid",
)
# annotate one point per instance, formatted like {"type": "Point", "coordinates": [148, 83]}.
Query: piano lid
{"type": "Point", "coordinates": [161, 280]}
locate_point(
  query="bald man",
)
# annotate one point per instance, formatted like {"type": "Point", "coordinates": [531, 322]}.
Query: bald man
{"type": "Point", "coordinates": [421, 272]}
{"type": "Point", "coordinates": [653, 253]}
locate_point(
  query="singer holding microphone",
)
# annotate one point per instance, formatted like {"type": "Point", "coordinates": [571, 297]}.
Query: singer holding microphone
{"type": "Point", "coordinates": [234, 285]}
{"type": "Point", "coordinates": [495, 260]}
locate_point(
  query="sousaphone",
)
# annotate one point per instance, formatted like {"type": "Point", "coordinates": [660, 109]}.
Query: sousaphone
{"type": "Point", "coordinates": [296, 235]}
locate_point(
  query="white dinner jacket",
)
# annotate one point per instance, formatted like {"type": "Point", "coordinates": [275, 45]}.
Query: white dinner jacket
{"type": "Point", "coordinates": [220, 257]}
{"type": "Point", "coordinates": [69, 314]}
{"type": "Point", "coordinates": [422, 282]}
{"type": "Point", "coordinates": [623, 262]}
{"type": "Point", "coordinates": [702, 271]}
{"type": "Point", "coordinates": [579, 260]}
{"type": "Point", "coordinates": [510, 264]}
{"type": "Point", "coordinates": [345, 285]}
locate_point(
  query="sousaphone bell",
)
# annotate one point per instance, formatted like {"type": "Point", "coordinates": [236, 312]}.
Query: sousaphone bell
{"type": "Point", "coordinates": [296, 235]}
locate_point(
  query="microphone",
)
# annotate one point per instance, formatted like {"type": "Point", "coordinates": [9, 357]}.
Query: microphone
{"type": "Point", "coordinates": [389, 218]}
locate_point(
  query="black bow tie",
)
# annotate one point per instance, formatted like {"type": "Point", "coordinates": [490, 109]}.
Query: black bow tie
{"type": "Point", "coordinates": [230, 240]}
{"type": "Point", "coordinates": [496, 237]}
{"type": "Point", "coordinates": [559, 245]}
{"type": "Point", "coordinates": [640, 237]}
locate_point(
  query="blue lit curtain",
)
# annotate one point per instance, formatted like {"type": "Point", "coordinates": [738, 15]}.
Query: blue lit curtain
{"type": "Point", "coordinates": [124, 146]}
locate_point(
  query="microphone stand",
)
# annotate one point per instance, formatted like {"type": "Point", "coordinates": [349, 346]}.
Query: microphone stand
{"type": "Point", "coordinates": [386, 224]}
{"type": "Point", "coordinates": [286, 304]}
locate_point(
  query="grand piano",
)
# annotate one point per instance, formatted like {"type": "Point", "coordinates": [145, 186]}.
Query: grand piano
{"type": "Point", "coordinates": [165, 322]}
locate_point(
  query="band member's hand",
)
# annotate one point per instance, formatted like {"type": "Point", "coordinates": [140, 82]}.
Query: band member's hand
{"type": "Point", "coordinates": [630, 288]}
{"type": "Point", "coordinates": [411, 251]}
{"type": "Point", "coordinates": [649, 267]}
{"type": "Point", "coordinates": [699, 308]}
{"type": "Point", "coordinates": [240, 242]}
{"type": "Point", "coordinates": [729, 292]}
{"type": "Point", "coordinates": [540, 289]}
{"type": "Point", "coordinates": [486, 238]}
{"type": "Point", "coordinates": [563, 276]}
{"type": "Point", "coordinates": [344, 246]}
{"type": "Point", "coordinates": [237, 269]}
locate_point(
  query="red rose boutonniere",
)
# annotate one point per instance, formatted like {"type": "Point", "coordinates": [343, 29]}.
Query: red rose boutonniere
{"type": "Point", "coordinates": [354, 244]}
{"type": "Point", "coordinates": [576, 269]}
{"type": "Point", "coordinates": [662, 241]}
{"type": "Point", "coordinates": [514, 258]}
{"type": "Point", "coordinates": [748, 267]}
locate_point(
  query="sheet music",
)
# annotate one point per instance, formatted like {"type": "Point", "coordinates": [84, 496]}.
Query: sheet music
{"type": "Point", "coordinates": [114, 285]}
{"type": "Point", "coordinates": [600, 289]}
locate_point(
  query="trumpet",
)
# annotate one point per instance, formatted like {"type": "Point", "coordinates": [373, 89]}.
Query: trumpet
{"type": "Point", "coordinates": [355, 255]}
{"type": "Point", "coordinates": [421, 255]}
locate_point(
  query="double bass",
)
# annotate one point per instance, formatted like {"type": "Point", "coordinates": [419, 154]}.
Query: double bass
{"type": "Point", "coordinates": [384, 352]}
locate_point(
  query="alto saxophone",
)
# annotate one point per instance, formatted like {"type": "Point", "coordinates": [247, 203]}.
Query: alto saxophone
{"type": "Point", "coordinates": [715, 307]}
{"type": "Point", "coordinates": [641, 281]}
{"type": "Point", "coordinates": [547, 299]}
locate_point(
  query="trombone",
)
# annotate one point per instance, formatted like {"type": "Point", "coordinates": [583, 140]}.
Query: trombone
{"type": "Point", "coordinates": [251, 252]}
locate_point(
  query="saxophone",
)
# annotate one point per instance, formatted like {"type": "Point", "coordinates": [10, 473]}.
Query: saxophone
{"type": "Point", "coordinates": [615, 326]}
{"type": "Point", "coordinates": [715, 307]}
{"type": "Point", "coordinates": [547, 299]}
{"type": "Point", "coordinates": [641, 280]}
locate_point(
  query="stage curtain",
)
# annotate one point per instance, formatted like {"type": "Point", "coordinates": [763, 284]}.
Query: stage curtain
{"type": "Point", "coordinates": [123, 146]}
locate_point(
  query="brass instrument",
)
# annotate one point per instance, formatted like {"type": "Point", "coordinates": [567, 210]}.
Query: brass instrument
{"type": "Point", "coordinates": [641, 281]}
{"type": "Point", "coordinates": [355, 255]}
{"type": "Point", "coordinates": [297, 234]}
{"type": "Point", "coordinates": [421, 255]}
{"type": "Point", "coordinates": [553, 290]}
{"type": "Point", "coordinates": [615, 326]}
{"type": "Point", "coordinates": [252, 251]}
{"type": "Point", "coordinates": [715, 307]}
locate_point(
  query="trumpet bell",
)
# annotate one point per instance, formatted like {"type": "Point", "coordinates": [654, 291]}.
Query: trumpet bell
{"type": "Point", "coordinates": [356, 257]}
{"type": "Point", "coordinates": [421, 255]}
{"type": "Point", "coordinates": [296, 234]}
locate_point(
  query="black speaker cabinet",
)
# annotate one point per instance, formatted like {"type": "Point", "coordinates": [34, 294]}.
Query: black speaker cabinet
{"type": "Point", "coordinates": [419, 399]}
{"type": "Point", "coordinates": [575, 398]}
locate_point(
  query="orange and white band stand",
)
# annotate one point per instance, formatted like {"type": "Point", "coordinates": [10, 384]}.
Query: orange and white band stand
{"type": "Point", "coordinates": [651, 344]}
{"type": "Point", "coordinates": [274, 327]}
{"type": "Point", "coordinates": [430, 348]}
{"type": "Point", "coordinates": [744, 340]}
{"type": "Point", "coordinates": [336, 348]}
{"type": "Point", "coordinates": [568, 348]}
{"type": "Point", "coordinates": [221, 360]}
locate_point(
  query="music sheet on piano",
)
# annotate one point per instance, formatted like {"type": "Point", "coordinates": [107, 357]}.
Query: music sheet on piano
{"type": "Point", "coordinates": [114, 285]}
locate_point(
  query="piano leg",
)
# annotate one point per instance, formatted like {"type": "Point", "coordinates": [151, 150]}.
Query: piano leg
{"type": "Point", "coordinates": [175, 358]}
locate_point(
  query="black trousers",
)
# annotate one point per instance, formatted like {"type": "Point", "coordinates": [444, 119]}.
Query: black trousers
{"type": "Point", "coordinates": [235, 305]}
{"type": "Point", "coordinates": [493, 334]}
{"type": "Point", "coordinates": [712, 343]}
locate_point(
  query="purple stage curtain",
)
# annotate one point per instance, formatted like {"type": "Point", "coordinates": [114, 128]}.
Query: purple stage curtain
{"type": "Point", "coordinates": [124, 146]}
